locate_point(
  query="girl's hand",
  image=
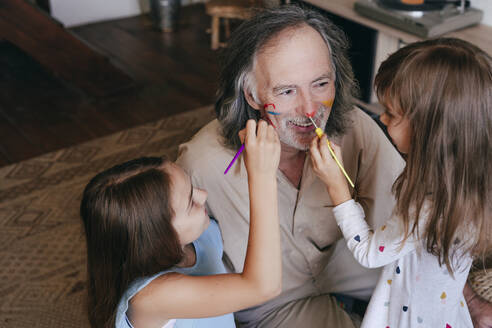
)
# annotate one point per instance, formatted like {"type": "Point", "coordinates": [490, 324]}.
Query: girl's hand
{"type": "Point", "coordinates": [262, 148]}
{"type": "Point", "coordinates": [327, 169]}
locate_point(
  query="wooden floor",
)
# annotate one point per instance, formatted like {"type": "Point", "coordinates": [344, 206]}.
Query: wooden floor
{"type": "Point", "coordinates": [173, 72]}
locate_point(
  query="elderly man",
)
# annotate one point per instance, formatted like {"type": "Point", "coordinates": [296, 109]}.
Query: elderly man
{"type": "Point", "coordinates": [283, 65]}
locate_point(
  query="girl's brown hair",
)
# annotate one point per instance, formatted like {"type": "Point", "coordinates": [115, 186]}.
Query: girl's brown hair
{"type": "Point", "coordinates": [444, 88]}
{"type": "Point", "coordinates": [127, 216]}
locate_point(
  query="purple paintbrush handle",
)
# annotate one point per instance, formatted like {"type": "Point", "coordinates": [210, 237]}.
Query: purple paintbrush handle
{"type": "Point", "coordinates": [235, 157]}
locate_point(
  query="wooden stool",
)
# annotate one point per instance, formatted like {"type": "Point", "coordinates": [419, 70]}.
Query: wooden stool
{"type": "Point", "coordinates": [227, 9]}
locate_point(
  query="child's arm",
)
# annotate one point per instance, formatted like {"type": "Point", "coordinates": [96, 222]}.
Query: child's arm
{"type": "Point", "coordinates": [263, 263]}
{"type": "Point", "coordinates": [328, 171]}
{"type": "Point", "coordinates": [370, 249]}
{"type": "Point", "coordinates": [176, 295]}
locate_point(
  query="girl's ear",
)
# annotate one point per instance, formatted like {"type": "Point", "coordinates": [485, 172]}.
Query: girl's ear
{"type": "Point", "coordinates": [250, 100]}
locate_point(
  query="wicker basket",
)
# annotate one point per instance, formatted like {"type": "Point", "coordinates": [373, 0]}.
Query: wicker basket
{"type": "Point", "coordinates": [481, 283]}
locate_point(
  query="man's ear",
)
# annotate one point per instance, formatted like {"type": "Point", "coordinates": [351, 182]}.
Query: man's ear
{"type": "Point", "coordinates": [250, 100]}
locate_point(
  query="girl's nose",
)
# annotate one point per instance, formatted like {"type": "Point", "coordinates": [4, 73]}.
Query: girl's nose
{"type": "Point", "coordinates": [201, 196]}
{"type": "Point", "coordinates": [384, 119]}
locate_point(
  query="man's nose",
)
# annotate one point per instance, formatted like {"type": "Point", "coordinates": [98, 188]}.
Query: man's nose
{"type": "Point", "coordinates": [309, 106]}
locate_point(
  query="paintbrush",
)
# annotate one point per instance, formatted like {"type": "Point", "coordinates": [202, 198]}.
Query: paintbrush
{"type": "Point", "coordinates": [242, 148]}
{"type": "Point", "coordinates": [234, 159]}
{"type": "Point", "coordinates": [320, 133]}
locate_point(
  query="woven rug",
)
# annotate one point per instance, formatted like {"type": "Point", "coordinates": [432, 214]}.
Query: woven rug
{"type": "Point", "coordinates": [42, 247]}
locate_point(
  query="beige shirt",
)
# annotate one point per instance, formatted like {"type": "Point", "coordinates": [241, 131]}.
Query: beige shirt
{"type": "Point", "coordinates": [313, 263]}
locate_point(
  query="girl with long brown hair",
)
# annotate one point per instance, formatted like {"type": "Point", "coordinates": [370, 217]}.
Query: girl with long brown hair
{"type": "Point", "coordinates": [154, 255]}
{"type": "Point", "coordinates": [438, 100]}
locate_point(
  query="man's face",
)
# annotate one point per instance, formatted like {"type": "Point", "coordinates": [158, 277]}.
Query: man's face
{"type": "Point", "coordinates": [293, 72]}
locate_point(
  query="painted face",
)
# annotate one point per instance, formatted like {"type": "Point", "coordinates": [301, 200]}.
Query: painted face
{"type": "Point", "coordinates": [398, 128]}
{"type": "Point", "coordinates": [191, 218]}
{"type": "Point", "coordinates": [294, 73]}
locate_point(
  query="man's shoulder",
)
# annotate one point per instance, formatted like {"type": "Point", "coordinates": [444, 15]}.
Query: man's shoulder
{"type": "Point", "coordinates": [366, 136]}
{"type": "Point", "coordinates": [363, 130]}
{"type": "Point", "coordinates": [204, 149]}
{"type": "Point", "coordinates": [209, 132]}
{"type": "Point", "coordinates": [362, 123]}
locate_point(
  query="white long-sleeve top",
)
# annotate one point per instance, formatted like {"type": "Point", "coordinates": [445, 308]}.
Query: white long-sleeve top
{"type": "Point", "coordinates": [413, 289]}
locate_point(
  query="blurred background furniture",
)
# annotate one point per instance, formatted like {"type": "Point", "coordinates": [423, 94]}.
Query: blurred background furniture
{"type": "Point", "coordinates": [226, 10]}
{"type": "Point", "coordinates": [42, 110]}
{"type": "Point", "coordinates": [35, 32]}
{"type": "Point", "coordinates": [388, 39]}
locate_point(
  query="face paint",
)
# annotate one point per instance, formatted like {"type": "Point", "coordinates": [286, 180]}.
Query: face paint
{"type": "Point", "coordinates": [297, 131]}
{"type": "Point", "coordinates": [272, 112]}
{"type": "Point", "coordinates": [328, 103]}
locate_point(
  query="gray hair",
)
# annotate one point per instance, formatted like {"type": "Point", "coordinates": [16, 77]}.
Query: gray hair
{"type": "Point", "coordinates": [237, 64]}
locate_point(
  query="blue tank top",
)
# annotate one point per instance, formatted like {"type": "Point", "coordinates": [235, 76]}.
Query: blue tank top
{"type": "Point", "coordinates": [209, 249]}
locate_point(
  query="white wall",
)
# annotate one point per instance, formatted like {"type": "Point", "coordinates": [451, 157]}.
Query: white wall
{"type": "Point", "coordinates": [78, 12]}
{"type": "Point", "coordinates": [486, 6]}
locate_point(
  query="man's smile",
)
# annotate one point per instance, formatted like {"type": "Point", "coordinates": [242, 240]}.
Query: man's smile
{"type": "Point", "coordinates": [301, 126]}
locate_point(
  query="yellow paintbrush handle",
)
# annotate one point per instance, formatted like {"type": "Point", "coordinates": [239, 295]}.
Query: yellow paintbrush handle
{"type": "Point", "coordinates": [339, 164]}
{"type": "Point", "coordinates": [319, 133]}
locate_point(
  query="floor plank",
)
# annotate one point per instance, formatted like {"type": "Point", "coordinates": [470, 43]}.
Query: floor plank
{"type": "Point", "coordinates": [173, 72]}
